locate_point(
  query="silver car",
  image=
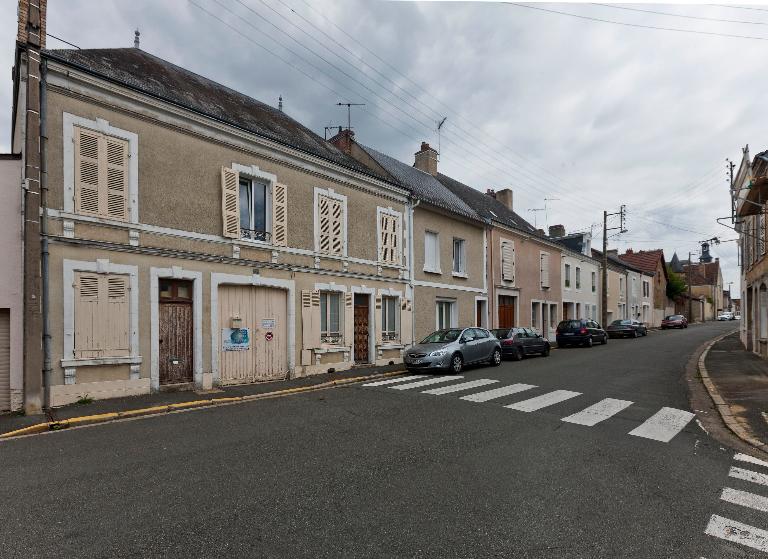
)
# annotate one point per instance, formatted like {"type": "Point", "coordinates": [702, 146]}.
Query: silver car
{"type": "Point", "coordinates": [453, 348]}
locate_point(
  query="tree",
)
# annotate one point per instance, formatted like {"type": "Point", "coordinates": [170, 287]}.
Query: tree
{"type": "Point", "coordinates": [676, 285]}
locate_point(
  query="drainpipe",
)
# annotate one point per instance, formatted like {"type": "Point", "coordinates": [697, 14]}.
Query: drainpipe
{"type": "Point", "coordinates": [44, 260]}
{"type": "Point", "coordinates": [411, 267]}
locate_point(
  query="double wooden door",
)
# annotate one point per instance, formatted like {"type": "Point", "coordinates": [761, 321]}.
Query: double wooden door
{"type": "Point", "coordinates": [176, 353]}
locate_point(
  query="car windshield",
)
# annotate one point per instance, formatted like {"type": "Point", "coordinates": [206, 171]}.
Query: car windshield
{"type": "Point", "coordinates": [621, 322]}
{"type": "Point", "coordinates": [501, 333]}
{"type": "Point", "coordinates": [673, 317]}
{"type": "Point", "coordinates": [569, 324]}
{"type": "Point", "coordinates": [442, 336]}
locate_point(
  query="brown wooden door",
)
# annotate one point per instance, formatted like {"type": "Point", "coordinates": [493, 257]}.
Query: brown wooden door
{"type": "Point", "coordinates": [506, 311]}
{"type": "Point", "coordinates": [176, 345]}
{"type": "Point", "coordinates": [361, 329]}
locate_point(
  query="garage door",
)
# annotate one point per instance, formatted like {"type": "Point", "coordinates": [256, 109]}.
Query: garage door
{"type": "Point", "coordinates": [263, 354]}
{"type": "Point", "coordinates": [5, 360]}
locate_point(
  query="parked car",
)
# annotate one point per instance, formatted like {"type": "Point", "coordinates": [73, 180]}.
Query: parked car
{"type": "Point", "coordinates": [626, 328]}
{"type": "Point", "coordinates": [580, 331]}
{"type": "Point", "coordinates": [726, 315]}
{"type": "Point", "coordinates": [674, 321]}
{"type": "Point", "coordinates": [452, 348]}
{"type": "Point", "coordinates": [737, 316]}
{"type": "Point", "coordinates": [519, 342]}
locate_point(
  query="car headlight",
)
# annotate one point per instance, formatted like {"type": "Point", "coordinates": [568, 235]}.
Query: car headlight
{"type": "Point", "coordinates": [438, 353]}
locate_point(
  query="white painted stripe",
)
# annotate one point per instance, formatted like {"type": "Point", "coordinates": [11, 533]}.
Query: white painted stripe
{"type": "Point", "coordinates": [737, 532]}
{"type": "Point", "coordinates": [663, 425]}
{"type": "Point", "coordinates": [393, 380]}
{"type": "Point", "coordinates": [750, 459]}
{"type": "Point", "coordinates": [745, 499]}
{"type": "Point", "coordinates": [433, 380]}
{"type": "Point", "coordinates": [498, 392]}
{"type": "Point", "coordinates": [461, 386]}
{"type": "Point", "coordinates": [599, 412]}
{"type": "Point", "coordinates": [748, 475]}
{"type": "Point", "coordinates": [543, 401]}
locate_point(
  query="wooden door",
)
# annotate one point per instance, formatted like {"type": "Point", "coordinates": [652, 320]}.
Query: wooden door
{"type": "Point", "coordinates": [5, 360]}
{"type": "Point", "coordinates": [506, 311]}
{"type": "Point", "coordinates": [361, 328]}
{"type": "Point", "coordinates": [176, 354]}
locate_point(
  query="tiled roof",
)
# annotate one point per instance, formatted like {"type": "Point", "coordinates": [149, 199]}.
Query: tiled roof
{"type": "Point", "coordinates": [616, 261]}
{"type": "Point", "coordinates": [422, 185]}
{"type": "Point", "coordinates": [703, 274]}
{"type": "Point", "coordinates": [646, 260]}
{"type": "Point", "coordinates": [159, 78]}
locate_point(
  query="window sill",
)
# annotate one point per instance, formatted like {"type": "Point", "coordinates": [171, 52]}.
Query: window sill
{"type": "Point", "coordinates": [331, 349]}
{"type": "Point", "coordinates": [126, 360]}
{"type": "Point", "coordinates": [431, 271]}
{"type": "Point", "coordinates": [460, 275]}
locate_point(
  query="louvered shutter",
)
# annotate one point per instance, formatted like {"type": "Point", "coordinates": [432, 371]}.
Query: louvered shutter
{"type": "Point", "coordinates": [379, 316]}
{"type": "Point", "coordinates": [508, 261]}
{"type": "Point", "coordinates": [349, 320]}
{"type": "Point", "coordinates": [390, 239]}
{"type": "Point", "coordinates": [406, 321]}
{"type": "Point", "coordinates": [87, 171]}
{"type": "Point", "coordinates": [115, 172]}
{"type": "Point", "coordinates": [337, 227]}
{"type": "Point", "coordinates": [87, 317]}
{"type": "Point", "coordinates": [230, 202]}
{"type": "Point", "coordinates": [280, 215]}
{"type": "Point", "coordinates": [324, 218]}
{"type": "Point", "coordinates": [545, 270]}
{"type": "Point", "coordinates": [117, 317]}
{"type": "Point", "coordinates": [310, 318]}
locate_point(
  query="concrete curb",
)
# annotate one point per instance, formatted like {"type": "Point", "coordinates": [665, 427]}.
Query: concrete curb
{"type": "Point", "coordinates": [168, 408]}
{"type": "Point", "coordinates": [722, 407]}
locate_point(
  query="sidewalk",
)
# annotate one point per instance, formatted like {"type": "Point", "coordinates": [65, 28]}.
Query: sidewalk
{"type": "Point", "coordinates": [11, 422]}
{"type": "Point", "coordinates": [741, 378]}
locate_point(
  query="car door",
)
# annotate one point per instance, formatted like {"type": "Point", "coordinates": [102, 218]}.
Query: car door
{"type": "Point", "coordinates": [487, 343]}
{"type": "Point", "coordinates": [469, 346]}
{"type": "Point", "coordinates": [594, 330]}
{"type": "Point", "coordinates": [533, 340]}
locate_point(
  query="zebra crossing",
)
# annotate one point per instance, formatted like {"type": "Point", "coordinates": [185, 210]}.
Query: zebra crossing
{"type": "Point", "coordinates": [755, 473]}
{"type": "Point", "coordinates": [662, 426]}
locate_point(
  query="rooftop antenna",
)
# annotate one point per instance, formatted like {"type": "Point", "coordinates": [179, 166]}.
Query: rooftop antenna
{"type": "Point", "coordinates": [331, 127]}
{"type": "Point", "coordinates": [136, 35]}
{"type": "Point", "coordinates": [535, 210]}
{"type": "Point", "coordinates": [280, 103]}
{"type": "Point", "coordinates": [439, 126]}
{"type": "Point", "coordinates": [349, 112]}
{"type": "Point", "coordinates": [546, 213]}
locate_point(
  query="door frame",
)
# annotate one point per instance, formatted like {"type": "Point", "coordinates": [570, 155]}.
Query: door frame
{"type": "Point", "coordinates": [483, 301]}
{"type": "Point", "coordinates": [371, 293]}
{"type": "Point", "coordinates": [176, 272]}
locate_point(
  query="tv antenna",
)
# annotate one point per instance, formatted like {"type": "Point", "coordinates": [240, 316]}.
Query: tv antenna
{"type": "Point", "coordinates": [439, 126]}
{"type": "Point", "coordinates": [535, 211]}
{"type": "Point", "coordinates": [349, 111]}
{"type": "Point", "coordinates": [331, 127]}
{"type": "Point", "coordinates": [546, 214]}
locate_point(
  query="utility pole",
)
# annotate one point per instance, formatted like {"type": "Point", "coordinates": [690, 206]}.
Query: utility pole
{"type": "Point", "coordinates": [349, 111]}
{"type": "Point", "coordinates": [622, 213]}
{"type": "Point", "coordinates": [690, 295]}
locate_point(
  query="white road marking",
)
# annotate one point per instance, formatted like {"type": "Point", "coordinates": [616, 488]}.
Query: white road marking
{"type": "Point", "coordinates": [663, 425]}
{"type": "Point", "coordinates": [745, 499]}
{"type": "Point", "coordinates": [752, 460]}
{"type": "Point", "coordinates": [737, 532]}
{"type": "Point", "coordinates": [599, 412]}
{"type": "Point", "coordinates": [393, 380]}
{"type": "Point", "coordinates": [543, 401]}
{"type": "Point", "coordinates": [748, 475]}
{"type": "Point", "coordinates": [498, 392]}
{"type": "Point", "coordinates": [460, 386]}
{"type": "Point", "coordinates": [434, 380]}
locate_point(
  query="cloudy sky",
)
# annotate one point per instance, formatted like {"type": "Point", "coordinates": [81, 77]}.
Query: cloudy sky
{"type": "Point", "coordinates": [588, 114]}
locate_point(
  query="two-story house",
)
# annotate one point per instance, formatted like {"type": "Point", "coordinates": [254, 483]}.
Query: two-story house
{"type": "Point", "coordinates": [446, 240]}
{"type": "Point", "coordinates": [581, 274]}
{"type": "Point", "coordinates": [655, 303]}
{"type": "Point", "coordinates": [198, 236]}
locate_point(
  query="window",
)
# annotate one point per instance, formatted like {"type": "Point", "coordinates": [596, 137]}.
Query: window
{"type": "Point", "coordinates": [594, 282]}
{"type": "Point", "coordinates": [389, 319]}
{"type": "Point", "coordinates": [621, 286]}
{"type": "Point", "coordinates": [578, 277]}
{"type": "Point", "coordinates": [445, 314]}
{"type": "Point", "coordinates": [431, 252]}
{"type": "Point", "coordinates": [101, 174]}
{"type": "Point", "coordinates": [331, 224]}
{"type": "Point", "coordinates": [544, 269]}
{"type": "Point", "coordinates": [535, 311]}
{"type": "Point", "coordinates": [101, 316]}
{"type": "Point", "coordinates": [459, 257]}
{"type": "Point", "coordinates": [389, 236]}
{"type": "Point", "coordinates": [330, 317]}
{"type": "Point", "coordinates": [646, 288]}
{"type": "Point", "coordinates": [508, 261]}
{"type": "Point", "coordinates": [567, 275]}
{"type": "Point", "coordinates": [253, 210]}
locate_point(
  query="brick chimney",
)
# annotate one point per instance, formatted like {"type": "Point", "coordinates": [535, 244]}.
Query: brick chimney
{"type": "Point", "coordinates": [491, 192]}
{"type": "Point", "coordinates": [343, 139]}
{"type": "Point", "coordinates": [613, 252]}
{"type": "Point", "coordinates": [557, 230]}
{"type": "Point", "coordinates": [32, 23]}
{"type": "Point", "coordinates": [505, 197]}
{"type": "Point", "coordinates": [630, 251]}
{"type": "Point", "coordinates": [426, 159]}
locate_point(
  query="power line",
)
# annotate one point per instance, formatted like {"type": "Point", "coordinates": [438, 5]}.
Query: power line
{"type": "Point", "coordinates": [740, 7]}
{"type": "Point", "coordinates": [639, 25]}
{"type": "Point", "coordinates": [700, 18]}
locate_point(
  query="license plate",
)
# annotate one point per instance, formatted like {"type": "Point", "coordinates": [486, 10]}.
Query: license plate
{"type": "Point", "coordinates": [568, 334]}
{"type": "Point", "coordinates": [418, 361]}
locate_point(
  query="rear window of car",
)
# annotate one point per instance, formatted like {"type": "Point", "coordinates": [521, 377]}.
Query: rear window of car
{"type": "Point", "coordinates": [674, 317]}
{"type": "Point", "coordinates": [621, 322]}
{"type": "Point", "coordinates": [501, 333]}
{"type": "Point", "coordinates": [569, 324]}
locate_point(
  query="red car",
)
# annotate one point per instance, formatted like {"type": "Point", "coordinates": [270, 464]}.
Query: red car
{"type": "Point", "coordinates": [674, 321]}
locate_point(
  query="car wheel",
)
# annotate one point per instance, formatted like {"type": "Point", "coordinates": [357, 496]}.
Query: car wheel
{"type": "Point", "coordinates": [518, 355]}
{"type": "Point", "coordinates": [634, 333]}
{"type": "Point", "coordinates": [496, 357]}
{"type": "Point", "coordinates": [605, 339]}
{"type": "Point", "coordinates": [545, 353]}
{"type": "Point", "coordinates": [457, 363]}
{"type": "Point", "coordinates": [589, 342]}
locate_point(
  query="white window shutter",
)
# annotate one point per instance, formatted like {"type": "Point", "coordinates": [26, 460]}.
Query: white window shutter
{"type": "Point", "coordinates": [544, 270]}
{"type": "Point", "coordinates": [389, 242]}
{"type": "Point", "coordinates": [406, 321]}
{"type": "Point", "coordinates": [310, 319]}
{"type": "Point", "coordinates": [117, 315]}
{"type": "Point", "coordinates": [378, 320]}
{"type": "Point", "coordinates": [508, 261]}
{"type": "Point", "coordinates": [337, 227]}
{"type": "Point", "coordinates": [87, 171]}
{"type": "Point", "coordinates": [114, 160]}
{"type": "Point", "coordinates": [280, 215]}
{"type": "Point", "coordinates": [230, 202]}
{"type": "Point", "coordinates": [87, 297]}
{"type": "Point", "coordinates": [324, 218]}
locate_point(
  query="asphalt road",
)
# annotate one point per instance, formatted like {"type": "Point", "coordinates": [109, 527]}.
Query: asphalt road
{"type": "Point", "coordinates": [379, 472]}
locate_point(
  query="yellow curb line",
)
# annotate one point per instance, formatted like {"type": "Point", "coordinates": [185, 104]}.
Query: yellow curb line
{"type": "Point", "coordinates": [166, 408]}
{"type": "Point", "coordinates": [722, 407]}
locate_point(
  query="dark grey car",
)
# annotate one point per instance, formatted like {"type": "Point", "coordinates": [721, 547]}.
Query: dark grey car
{"type": "Point", "coordinates": [453, 348]}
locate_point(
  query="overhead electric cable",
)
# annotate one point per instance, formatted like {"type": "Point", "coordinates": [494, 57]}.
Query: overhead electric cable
{"type": "Point", "coordinates": [685, 16]}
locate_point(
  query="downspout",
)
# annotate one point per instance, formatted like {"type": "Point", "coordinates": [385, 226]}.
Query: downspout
{"type": "Point", "coordinates": [411, 267]}
{"type": "Point", "coordinates": [44, 255]}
